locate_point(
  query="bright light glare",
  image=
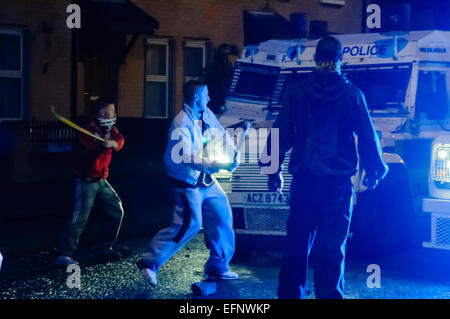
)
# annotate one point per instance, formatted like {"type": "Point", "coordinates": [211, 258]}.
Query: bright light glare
{"type": "Point", "coordinates": [222, 158]}
{"type": "Point", "coordinates": [442, 154]}
{"type": "Point", "coordinates": [216, 153]}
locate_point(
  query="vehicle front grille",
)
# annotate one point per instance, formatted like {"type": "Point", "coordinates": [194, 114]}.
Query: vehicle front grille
{"type": "Point", "coordinates": [266, 220]}
{"type": "Point", "coordinates": [248, 177]}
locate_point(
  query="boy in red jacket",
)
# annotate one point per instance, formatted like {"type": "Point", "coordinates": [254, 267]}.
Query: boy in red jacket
{"type": "Point", "coordinates": [91, 186]}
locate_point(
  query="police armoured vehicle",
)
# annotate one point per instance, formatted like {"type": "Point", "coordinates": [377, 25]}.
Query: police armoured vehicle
{"type": "Point", "coordinates": [405, 79]}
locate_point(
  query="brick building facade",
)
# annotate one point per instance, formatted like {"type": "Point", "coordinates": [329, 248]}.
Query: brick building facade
{"type": "Point", "coordinates": [37, 68]}
{"type": "Point", "coordinates": [216, 22]}
{"type": "Point", "coordinates": [46, 47]}
{"type": "Point", "coordinates": [47, 44]}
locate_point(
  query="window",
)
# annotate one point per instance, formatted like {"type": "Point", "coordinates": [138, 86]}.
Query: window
{"type": "Point", "coordinates": [11, 74]}
{"type": "Point", "coordinates": [157, 79]}
{"type": "Point", "coordinates": [194, 59]}
{"type": "Point", "coordinates": [432, 97]}
{"type": "Point", "coordinates": [254, 82]}
{"type": "Point", "coordinates": [384, 87]}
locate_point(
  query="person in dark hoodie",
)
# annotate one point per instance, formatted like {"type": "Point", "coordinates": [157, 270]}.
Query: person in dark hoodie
{"type": "Point", "coordinates": [320, 116]}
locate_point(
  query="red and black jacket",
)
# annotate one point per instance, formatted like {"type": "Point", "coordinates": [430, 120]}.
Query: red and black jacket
{"type": "Point", "coordinates": [92, 158]}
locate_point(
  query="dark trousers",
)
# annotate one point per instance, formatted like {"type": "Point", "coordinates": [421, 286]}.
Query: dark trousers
{"type": "Point", "coordinates": [86, 194]}
{"type": "Point", "coordinates": [321, 209]}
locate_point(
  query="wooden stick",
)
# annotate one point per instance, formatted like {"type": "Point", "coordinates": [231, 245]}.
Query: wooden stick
{"type": "Point", "coordinates": [73, 125]}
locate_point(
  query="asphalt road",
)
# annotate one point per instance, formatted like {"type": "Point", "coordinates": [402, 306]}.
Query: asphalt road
{"type": "Point", "coordinates": [33, 277]}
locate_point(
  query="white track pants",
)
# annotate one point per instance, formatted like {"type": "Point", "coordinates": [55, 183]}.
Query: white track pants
{"type": "Point", "coordinates": [194, 208]}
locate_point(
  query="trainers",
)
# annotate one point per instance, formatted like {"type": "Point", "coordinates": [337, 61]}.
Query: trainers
{"type": "Point", "coordinates": [64, 261]}
{"type": "Point", "coordinates": [109, 255]}
{"type": "Point", "coordinates": [228, 275]}
{"type": "Point", "coordinates": [148, 274]}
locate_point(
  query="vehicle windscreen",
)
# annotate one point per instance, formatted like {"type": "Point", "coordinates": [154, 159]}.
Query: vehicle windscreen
{"type": "Point", "coordinates": [383, 86]}
{"type": "Point", "coordinates": [432, 97]}
{"type": "Point", "coordinates": [283, 80]}
{"type": "Point", "coordinates": [254, 81]}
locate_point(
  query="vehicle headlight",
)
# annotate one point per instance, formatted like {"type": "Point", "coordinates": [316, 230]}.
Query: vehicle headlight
{"type": "Point", "coordinates": [440, 161]}
{"type": "Point", "coordinates": [442, 154]}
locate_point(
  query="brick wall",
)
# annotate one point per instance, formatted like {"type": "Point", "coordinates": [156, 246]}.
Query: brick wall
{"type": "Point", "coordinates": [217, 20]}
{"type": "Point", "coordinates": [49, 74]}
{"type": "Point", "coordinates": [221, 22]}
{"type": "Point", "coordinates": [47, 48]}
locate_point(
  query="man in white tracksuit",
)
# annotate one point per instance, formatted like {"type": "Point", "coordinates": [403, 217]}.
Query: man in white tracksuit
{"type": "Point", "coordinates": [199, 201]}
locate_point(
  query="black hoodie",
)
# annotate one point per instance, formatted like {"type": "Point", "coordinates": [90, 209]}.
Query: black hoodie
{"type": "Point", "coordinates": [321, 115]}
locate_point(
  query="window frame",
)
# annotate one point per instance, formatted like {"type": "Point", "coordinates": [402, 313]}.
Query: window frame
{"type": "Point", "coordinates": [195, 43]}
{"type": "Point", "coordinates": [158, 78]}
{"type": "Point", "coordinates": [15, 73]}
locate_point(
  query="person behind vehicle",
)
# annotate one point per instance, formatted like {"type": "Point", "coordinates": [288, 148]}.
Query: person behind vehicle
{"type": "Point", "coordinates": [198, 198]}
{"type": "Point", "coordinates": [320, 116]}
{"type": "Point", "coordinates": [92, 187]}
